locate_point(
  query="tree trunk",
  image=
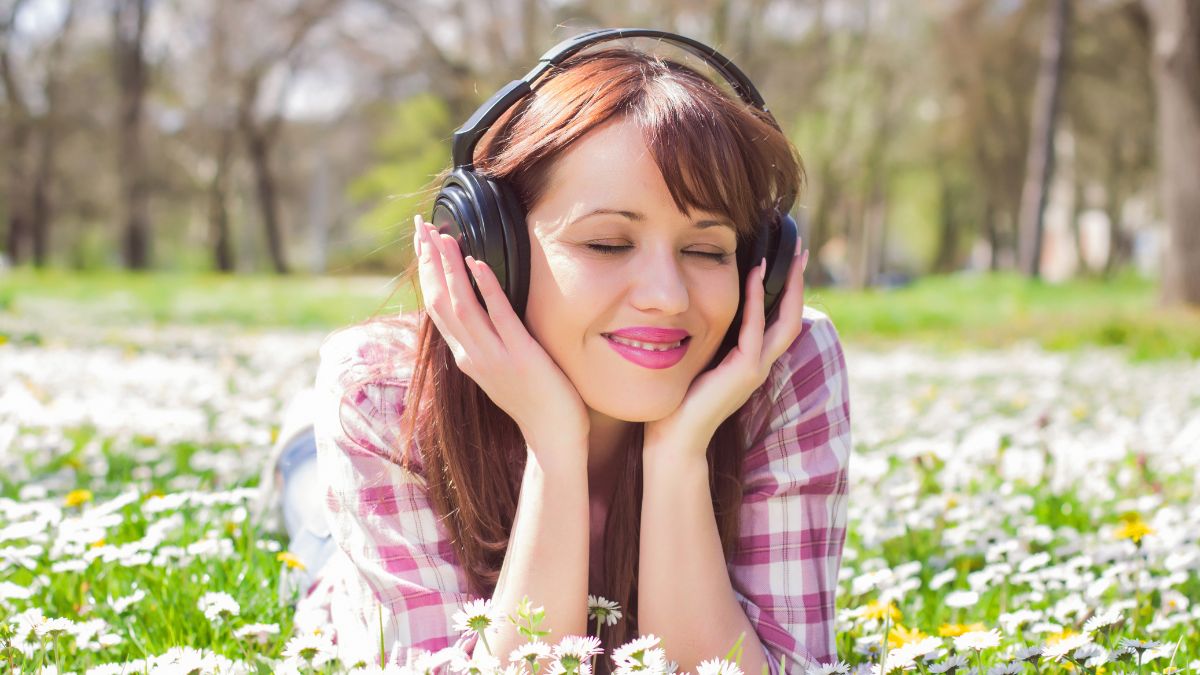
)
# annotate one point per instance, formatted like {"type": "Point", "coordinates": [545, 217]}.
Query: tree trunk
{"type": "Point", "coordinates": [1176, 25]}
{"type": "Point", "coordinates": [218, 199]}
{"type": "Point", "coordinates": [947, 249]}
{"type": "Point", "coordinates": [992, 232]}
{"type": "Point", "coordinates": [258, 145]}
{"type": "Point", "coordinates": [129, 30]}
{"type": "Point", "coordinates": [16, 140]}
{"type": "Point", "coordinates": [41, 208]}
{"type": "Point", "coordinates": [17, 239]}
{"type": "Point", "coordinates": [1039, 169]}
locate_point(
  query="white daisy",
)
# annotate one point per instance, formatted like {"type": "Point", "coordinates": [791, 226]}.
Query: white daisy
{"type": "Point", "coordinates": [942, 578]}
{"type": "Point", "coordinates": [898, 660]}
{"type": "Point", "coordinates": [53, 627]}
{"type": "Point", "coordinates": [1064, 646]}
{"type": "Point", "coordinates": [257, 632]}
{"type": "Point", "coordinates": [633, 653]}
{"type": "Point", "coordinates": [312, 649]}
{"type": "Point", "coordinates": [1102, 620]}
{"type": "Point", "coordinates": [123, 603]}
{"type": "Point", "coordinates": [530, 652]}
{"type": "Point", "coordinates": [579, 647]}
{"type": "Point", "coordinates": [718, 667]}
{"type": "Point", "coordinates": [833, 668]}
{"type": "Point", "coordinates": [960, 599]}
{"type": "Point", "coordinates": [558, 668]}
{"type": "Point", "coordinates": [477, 616]}
{"type": "Point", "coordinates": [978, 640]}
{"type": "Point", "coordinates": [950, 665]}
{"type": "Point", "coordinates": [1092, 655]}
{"type": "Point", "coordinates": [1027, 653]}
{"type": "Point", "coordinates": [916, 649]}
{"type": "Point", "coordinates": [480, 663]}
{"type": "Point", "coordinates": [604, 610]}
{"type": "Point", "coordinates": [1010, 668]}
{"type": "Point", "coordinates": [216, 605]}
{"type": "Point", "coordinates": [1139, 645]}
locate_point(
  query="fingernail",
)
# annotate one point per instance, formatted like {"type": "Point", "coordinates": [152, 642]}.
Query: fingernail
{"type": "Point", "coordinates": [762, 270]}
{"type": "Point", "coordinates": [799, 248]}
{"type": "Point", "coordinates": [804, 262]}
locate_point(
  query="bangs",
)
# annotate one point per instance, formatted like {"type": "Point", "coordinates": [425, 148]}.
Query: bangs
{"type": "Point", "coordinates": [720, 158]}
{"type": "Point", "coordinates": [716, 153]}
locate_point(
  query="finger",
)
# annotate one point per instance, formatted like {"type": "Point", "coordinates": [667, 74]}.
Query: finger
{"type": "Point", "coordinates": [790, 319]}
{"type": "Point", "coordinates": [462, 297]}
{"type": "Point", "coordinates": [434, 289]}
{"type": "Point", "coordinates": [504, 318]}
{"type": "Point", "coordinates": [753, 319]}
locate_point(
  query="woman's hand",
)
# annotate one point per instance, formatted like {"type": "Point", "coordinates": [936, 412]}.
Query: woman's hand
{"type": "Point", "coordinates": [495, 349]}
{"type": "Point", "coordinates": [715, 395]}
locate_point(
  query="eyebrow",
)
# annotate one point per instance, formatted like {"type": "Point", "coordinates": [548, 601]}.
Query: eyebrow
{"type": "Point", "coordinates": [637, 217]}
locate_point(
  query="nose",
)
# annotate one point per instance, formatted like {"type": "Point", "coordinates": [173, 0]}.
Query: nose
{"type": "Point", "coordinates": [658, 283]}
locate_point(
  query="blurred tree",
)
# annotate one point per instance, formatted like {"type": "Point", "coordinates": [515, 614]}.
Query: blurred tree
{"type": "Point", "coordinates": [260, 119]}
{"type": "Point", "coordinates": [129, 19]}
{"type": "Point", "coordinates": [1176, 30]}
{"type": "Point", "coordinates": [1108, 101]}
{"type": "Point", "coordinates": [32, 133]}
{"type": "Point", "coordinates": [1039, 168]}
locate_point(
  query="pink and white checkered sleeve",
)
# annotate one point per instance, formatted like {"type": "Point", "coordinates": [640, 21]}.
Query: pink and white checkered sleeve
{"type": "Point", "coordinates": [379, 512]}
{"type": "Point", "coordinates": [794, 508]}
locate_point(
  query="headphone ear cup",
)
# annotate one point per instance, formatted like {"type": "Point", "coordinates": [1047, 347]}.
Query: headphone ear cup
{"type": "Point", "coordinates": [514, 234]}
{"type": "Point", "coordinates": [781, 249]}
{"type": "Point", "coordinates": [466, 209]}
{"type": "Point", "coordinates": [776, 243]}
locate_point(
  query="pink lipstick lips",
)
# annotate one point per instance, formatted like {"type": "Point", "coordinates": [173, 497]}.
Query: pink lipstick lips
{"type": "Point", "coordinates": [650, 347]}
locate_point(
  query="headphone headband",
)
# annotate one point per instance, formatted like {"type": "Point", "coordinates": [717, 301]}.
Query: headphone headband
{"type": "Point", "coordinates": [468, 135]}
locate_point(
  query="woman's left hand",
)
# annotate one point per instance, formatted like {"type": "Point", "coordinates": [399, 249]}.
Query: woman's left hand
{"type": "Point", "coordinates": [715, 395]}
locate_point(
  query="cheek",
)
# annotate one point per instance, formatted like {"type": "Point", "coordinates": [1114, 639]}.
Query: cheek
{"type": "Point", "coordinates": [721, 300]}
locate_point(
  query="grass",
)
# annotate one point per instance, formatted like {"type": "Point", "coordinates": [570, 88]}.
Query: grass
{"type": "Point", "coordinates": [948, 312]}
{"type": "Point", "coordinates": [182, 499]}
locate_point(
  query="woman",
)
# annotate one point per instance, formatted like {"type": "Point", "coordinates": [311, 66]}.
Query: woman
{"type": "Point", "coordinates": [639, 433]}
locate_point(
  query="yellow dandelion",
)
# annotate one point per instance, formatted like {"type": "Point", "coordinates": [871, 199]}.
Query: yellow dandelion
{"type": "Point", "coordinates": [78, 497]}
{"type": "Point", "coordinates": [3, 338]}
{"type": "Point", "coordinates": [900, 636]}
{"type": "Point", "coordinates": [1133, 527]}
{"type": "Point", "coordinates": [288, 558]}
{"type": "Point", "coordinates": [956, 629]}
{"type": "Point", "coordinates": [877, 610]}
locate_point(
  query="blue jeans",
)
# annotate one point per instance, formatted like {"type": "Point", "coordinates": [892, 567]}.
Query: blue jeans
{"type": "Point", "coordinates": [303, 494]}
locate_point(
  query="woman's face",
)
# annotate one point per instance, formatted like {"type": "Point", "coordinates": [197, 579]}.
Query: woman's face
{"type": "Point", "coordinates": [611, 253]}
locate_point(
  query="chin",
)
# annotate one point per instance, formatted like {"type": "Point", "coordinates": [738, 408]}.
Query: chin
{"type": "Point", "coordinates": [642, 408]}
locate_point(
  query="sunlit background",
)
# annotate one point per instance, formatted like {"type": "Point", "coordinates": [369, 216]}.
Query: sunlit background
{"type": "Point", "coordinates": [1001, 204]}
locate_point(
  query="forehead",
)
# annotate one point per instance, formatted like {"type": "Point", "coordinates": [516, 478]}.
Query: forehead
{"type": "Point", "coordinates": [610, 167]}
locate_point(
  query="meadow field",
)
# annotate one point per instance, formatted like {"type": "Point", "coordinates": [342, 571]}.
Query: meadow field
{"type": "Point", "coordinates": [1023, 486]}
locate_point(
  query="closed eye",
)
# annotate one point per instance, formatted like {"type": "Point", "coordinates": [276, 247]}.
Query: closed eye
{"type": "Point", "coordinates": [608, 249]}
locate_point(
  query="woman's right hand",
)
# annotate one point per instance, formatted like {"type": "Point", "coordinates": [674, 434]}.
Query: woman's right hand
{"type": "Point", "coordinates": [495, 349]}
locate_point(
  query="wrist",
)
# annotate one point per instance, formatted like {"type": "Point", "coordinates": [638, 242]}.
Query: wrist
{"type": "Point", "coordinates": [668, 456]}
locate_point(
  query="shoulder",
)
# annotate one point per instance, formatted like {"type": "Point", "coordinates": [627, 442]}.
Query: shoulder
{"type": "Point", "coordinates": [363, 379]}
{"type": "Point", "coordinates": [804, 403]}
{"type": "Point", "coordinates": [813, 361]}
{"type": "Point", "coordinates": [379, 350]}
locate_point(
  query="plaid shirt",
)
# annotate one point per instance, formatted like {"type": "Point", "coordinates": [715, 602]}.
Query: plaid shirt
{"type": "Point", "coordinates": [396, 577]}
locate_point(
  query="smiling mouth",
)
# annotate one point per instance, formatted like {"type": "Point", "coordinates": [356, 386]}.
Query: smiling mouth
{"type": "Point", "coordinates": [648, 346]}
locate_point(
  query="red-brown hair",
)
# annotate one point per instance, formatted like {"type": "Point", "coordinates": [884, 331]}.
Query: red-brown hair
{"type": "Point", "coordinates": [716, 154]}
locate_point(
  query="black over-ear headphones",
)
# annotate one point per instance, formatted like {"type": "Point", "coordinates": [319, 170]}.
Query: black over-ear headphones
{"type": "Point", "coordinates": [486, 218]}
